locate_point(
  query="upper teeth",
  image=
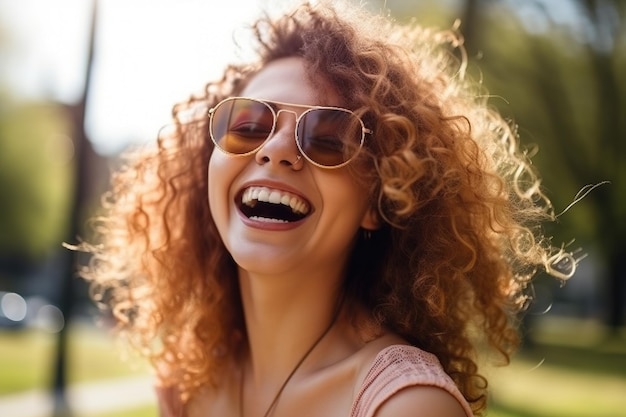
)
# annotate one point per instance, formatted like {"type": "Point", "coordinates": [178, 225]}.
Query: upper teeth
{"type": "Point", "coordinates": [268, 195]}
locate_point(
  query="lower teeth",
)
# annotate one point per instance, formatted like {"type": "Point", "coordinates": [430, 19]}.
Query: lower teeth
{"type": "Point", "coordinates": [267, 220]}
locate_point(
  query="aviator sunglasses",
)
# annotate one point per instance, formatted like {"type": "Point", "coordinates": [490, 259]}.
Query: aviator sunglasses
{"type": "Point", "coordinates": [328, 137]}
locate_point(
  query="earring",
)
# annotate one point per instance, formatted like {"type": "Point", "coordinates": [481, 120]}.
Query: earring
{"type": "Point", "coordinates": [367, 234]}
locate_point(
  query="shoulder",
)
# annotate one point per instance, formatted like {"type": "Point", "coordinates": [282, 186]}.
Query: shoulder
{"type": "Point", "coordinates": [429, 400]}
{"type": "Point", "coordinates": [168, 401]}
{"type": "Point", "coordinates": [403, 377]}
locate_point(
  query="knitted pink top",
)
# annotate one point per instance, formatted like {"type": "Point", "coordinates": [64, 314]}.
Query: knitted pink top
{"type": "Point", "coordinates": [395, 367]}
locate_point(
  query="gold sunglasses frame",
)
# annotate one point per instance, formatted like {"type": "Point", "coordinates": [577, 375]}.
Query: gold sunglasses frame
{"type": "Point", "coordinates": [276, 113]}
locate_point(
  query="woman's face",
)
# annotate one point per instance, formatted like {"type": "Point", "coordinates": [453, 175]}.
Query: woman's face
{"type": "Point", "coordinates": [328, 205]}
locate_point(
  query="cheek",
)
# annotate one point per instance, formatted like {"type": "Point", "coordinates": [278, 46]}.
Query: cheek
{"type": "Point", "coordinates": [223, 172]}
{"type": "Point", "coordinates": [220, 177]}
{"type": "Point", "coordinates": [346, 199]}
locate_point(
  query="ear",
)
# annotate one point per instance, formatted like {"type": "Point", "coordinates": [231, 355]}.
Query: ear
{"type": "Point", "coordinates": [371, 220]}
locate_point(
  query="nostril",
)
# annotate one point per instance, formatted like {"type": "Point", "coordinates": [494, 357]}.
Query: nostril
{"type": "Point", "coordinates": [280, 149]}
{"type": "Point", "coordinates": [264, 159]}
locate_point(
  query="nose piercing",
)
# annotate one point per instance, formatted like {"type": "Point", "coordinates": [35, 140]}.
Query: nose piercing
{"type": "Point", "coordinates": [298, 158]}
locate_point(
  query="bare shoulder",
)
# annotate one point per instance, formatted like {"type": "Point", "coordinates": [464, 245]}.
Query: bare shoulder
{"type": "Point", "coordinates": [421, 401]}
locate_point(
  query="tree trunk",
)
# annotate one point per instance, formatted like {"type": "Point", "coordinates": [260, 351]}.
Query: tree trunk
{"type": "Point", "coordinates": [61, 406]}
{"type": "Point", "coordinates": [617, 289]}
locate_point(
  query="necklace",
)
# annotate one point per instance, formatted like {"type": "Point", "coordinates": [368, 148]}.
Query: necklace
{"type": "Point", "coordinates": [293, 371]}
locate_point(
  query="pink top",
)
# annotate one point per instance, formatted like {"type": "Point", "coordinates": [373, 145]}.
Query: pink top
{"type": "Point", "coordinates": [395, 367]}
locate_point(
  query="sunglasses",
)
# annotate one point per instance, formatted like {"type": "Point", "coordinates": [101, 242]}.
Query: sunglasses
{"type": "Point", "coordinates": [328, 137]}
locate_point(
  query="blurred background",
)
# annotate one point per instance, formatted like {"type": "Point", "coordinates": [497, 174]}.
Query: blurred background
{"type": "Point", "coordinates": [80, 81]}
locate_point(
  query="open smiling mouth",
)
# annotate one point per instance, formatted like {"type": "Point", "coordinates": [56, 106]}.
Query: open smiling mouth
{"type": "Point", "coordinates": [273, 206]}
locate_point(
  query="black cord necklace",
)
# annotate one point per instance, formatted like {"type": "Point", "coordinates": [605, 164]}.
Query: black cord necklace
{"type": "Point", "coordinates": [291, 374]}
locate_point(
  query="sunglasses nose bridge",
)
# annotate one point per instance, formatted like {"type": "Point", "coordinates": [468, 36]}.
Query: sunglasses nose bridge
{"type": "Point", "coordinates": [281, 145]}
{"type": "Point", "coordinates": [279, 111]}
{"type": "Point", "coordinates": [277, 127]}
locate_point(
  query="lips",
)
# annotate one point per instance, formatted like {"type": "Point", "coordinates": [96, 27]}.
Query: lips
{"type": "Point", "coordinates": [271, 205]}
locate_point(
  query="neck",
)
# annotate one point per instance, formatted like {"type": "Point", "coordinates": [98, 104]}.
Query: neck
{"type": "Point", "coordinates": [284, 317]}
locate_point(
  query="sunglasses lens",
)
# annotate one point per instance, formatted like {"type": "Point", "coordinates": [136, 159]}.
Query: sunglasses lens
{"type": "Point", "coordinates": [327, 136]}
{"type": "Point", "coordinates": [330, 137]}
{"type": "Point", "coordinates": [240, 126]}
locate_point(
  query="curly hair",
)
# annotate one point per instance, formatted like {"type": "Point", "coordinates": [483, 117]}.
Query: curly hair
{"type": "Point", "coordinates": [460, 205]}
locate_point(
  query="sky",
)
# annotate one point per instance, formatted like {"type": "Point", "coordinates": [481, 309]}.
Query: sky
{"type": "Point", "coordinates": [150, 54]}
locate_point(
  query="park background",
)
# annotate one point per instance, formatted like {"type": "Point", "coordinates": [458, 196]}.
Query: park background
{"type": "Point", "coordinates": [75, 91]}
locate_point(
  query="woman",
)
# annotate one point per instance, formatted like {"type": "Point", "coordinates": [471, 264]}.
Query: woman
{"type": "Point", "coordinates": [370, 223]}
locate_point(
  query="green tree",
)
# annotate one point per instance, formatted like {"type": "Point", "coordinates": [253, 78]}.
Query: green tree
{"type": "Point", "coordinates": [562, 80]}
{"type": "Point", "coordinates": [35, 177]}
{"type": "Point", "coordinates": [558, 75]}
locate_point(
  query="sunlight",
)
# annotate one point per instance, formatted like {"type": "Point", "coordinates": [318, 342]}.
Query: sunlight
{"type": "Point", "coordinates": [149, 55]}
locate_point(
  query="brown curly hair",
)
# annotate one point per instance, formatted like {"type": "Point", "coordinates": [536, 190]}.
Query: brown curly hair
{"type": "Point", "coordinates": [459, 203]}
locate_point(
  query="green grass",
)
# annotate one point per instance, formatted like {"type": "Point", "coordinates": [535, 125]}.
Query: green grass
{"type": "Point", "coordinates": [574, 369]}
{"type": "Point", "coordinates": [147, 411]}
{"type": "Point", "coordinates": [24, 360]}
{"type": "Point", "coordinates": [27, 358]}
{"type": "Point", "coordinates": [532, 388]}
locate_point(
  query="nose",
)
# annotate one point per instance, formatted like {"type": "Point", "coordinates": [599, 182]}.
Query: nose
{"type": "Point", "coordinates": [281, 148]}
